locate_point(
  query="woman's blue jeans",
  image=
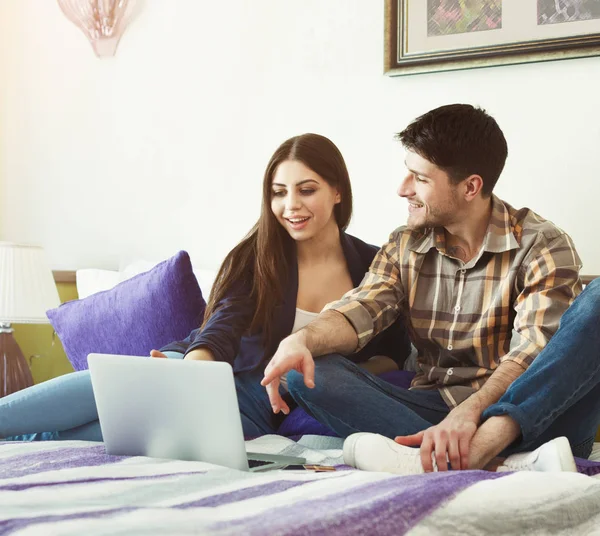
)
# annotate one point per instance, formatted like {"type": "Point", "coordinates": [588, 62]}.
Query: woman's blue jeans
{"type": "Point", "coordinates": [558, 395]}
{"type": "Point", "coordinates": [64, 408]}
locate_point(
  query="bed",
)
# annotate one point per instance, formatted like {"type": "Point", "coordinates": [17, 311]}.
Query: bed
{"type": "Point", "coordinates": [74, 487]}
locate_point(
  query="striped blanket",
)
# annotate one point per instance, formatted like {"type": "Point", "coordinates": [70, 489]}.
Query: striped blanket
{"type": "Point", "coordinates": [76, 488]}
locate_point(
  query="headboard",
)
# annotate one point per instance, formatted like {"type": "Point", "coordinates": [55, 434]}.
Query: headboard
{"type": "Point", "coordinates": [68, 276]}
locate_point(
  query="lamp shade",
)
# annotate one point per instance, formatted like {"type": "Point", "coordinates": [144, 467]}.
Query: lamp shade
{"type": "Point", "coordinates": [27, 288]}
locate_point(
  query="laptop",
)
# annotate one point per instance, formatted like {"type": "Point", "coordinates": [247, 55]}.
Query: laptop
{"type": "Point", "coordinates": [171, 408]}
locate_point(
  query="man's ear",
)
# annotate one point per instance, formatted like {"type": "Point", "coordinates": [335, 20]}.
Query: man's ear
{"type": "Point", "coordinates": [473, 185]}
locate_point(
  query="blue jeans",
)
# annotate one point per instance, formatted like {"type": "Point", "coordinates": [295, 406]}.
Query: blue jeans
{"type": "Point", "coordinates": [558, 395]}
{"type": "Point", "coordinates": [349, 399]}
{"type": "Point", "coordinates": [64, 408]}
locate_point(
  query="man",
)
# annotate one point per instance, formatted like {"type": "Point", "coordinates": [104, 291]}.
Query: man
{"type": "Point", "coordinates": [482, 287]}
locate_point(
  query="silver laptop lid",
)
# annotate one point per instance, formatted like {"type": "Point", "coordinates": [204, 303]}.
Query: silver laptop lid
{"type": "Point", "coordinates": [168, 408]}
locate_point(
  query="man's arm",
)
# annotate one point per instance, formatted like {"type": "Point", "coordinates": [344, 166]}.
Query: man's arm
{"type": "Point", "coordinates": [329, 333]}
{"type": "Point", "coordinates": [220, 336]}
{"type": "Point", "coordinates": [493, 389]}
{"type": "Point", "coordinates": [550, 279]}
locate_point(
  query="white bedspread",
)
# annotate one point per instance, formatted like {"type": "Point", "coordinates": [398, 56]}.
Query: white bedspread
{"type": "Point", "coordinates": [75, 488]}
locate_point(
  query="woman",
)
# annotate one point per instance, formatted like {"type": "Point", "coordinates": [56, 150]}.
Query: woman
{"type": "Point", "coordinates": [296, 259]}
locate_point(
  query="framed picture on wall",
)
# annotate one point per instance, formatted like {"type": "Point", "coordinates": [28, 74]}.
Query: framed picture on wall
{"type": "Point", "coordinates": [442, 35]}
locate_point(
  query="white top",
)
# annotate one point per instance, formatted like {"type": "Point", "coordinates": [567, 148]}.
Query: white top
{"type": "Point", "coordinates": [302, 319]}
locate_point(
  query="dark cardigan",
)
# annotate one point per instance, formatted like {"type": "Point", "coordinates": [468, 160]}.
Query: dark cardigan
{"type": "Point", "coordinates": [226, 332]}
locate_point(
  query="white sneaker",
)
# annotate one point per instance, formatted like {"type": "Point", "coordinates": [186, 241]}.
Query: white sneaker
{"type": "Point", "coordinates": [554, 455]}
{"type": "Point", "coordinates": [374, 452]}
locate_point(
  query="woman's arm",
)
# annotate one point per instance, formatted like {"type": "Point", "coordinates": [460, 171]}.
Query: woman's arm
{"type": "Point", "coordinates": [223, 331]}
{"type": "Point", "coordinates": [200, 354]}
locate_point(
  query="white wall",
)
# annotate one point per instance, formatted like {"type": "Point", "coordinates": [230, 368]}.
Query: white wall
{"type": "Point", "coordinates": [163, 146]}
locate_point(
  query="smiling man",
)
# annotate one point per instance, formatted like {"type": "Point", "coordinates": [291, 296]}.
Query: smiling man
{"type": "Point", "coordinates": [482, 287]}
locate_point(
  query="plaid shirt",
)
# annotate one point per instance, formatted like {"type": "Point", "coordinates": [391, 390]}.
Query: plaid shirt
{"type": "Point", "coordinates": [466, 319]}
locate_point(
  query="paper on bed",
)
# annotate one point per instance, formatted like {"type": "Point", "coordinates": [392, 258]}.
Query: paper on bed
{"type": "Point", "coordinates": [309, 447]}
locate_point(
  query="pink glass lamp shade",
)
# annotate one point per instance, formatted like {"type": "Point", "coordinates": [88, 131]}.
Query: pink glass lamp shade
{"type": "Point", "coordinates": [27, 291]}
{"type": "Point", "coordinates": [102, 21]}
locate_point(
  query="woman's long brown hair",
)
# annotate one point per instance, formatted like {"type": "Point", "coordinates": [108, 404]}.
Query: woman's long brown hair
{"type": "Point", "coordinates": [267, 246]}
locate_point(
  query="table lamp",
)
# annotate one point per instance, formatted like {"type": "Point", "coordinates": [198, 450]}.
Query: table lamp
{"type": "Point", "coordinates": [27, 291]}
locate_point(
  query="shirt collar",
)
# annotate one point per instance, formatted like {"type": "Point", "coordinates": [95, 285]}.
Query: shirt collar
{"type": "Point", "coordinates": [499, 236]}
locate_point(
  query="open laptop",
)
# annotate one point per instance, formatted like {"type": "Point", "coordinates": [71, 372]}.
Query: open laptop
{"type": "Point", "coordinates": [171, 408]}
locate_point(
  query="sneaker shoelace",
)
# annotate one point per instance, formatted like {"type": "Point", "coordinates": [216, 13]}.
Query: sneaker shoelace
{"type": "Point", "coordinates": [520, 464]}
{"type": "Point", "coordinates": [412, 460]}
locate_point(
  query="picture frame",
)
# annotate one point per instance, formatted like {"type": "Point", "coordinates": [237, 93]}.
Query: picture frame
{"type": "Point", "coordinates": [441, 35]}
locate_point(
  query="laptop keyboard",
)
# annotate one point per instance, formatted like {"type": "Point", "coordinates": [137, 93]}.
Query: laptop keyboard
{"type": "Point", "coordinates": [257, 463]}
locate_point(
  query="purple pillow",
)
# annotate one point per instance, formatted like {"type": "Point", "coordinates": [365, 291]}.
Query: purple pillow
{"type": "Point", "coordinates": [299, 423]}
{"type": "Point", "coordinates": [144, 312]}
{"type": "Point", "coordinates": [399, 378]}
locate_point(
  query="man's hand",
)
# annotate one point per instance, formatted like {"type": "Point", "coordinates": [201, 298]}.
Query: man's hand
{"type": "Point", "coordinates": [447, 441]}
{"type": "Point", "coordinates": [292, 353]}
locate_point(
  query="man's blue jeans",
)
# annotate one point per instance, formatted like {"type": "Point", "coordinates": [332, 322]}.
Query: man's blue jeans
{"type": "Point", "coordinates": [558, 395]}
{"type": "Point", "coordinates": [64, 408]}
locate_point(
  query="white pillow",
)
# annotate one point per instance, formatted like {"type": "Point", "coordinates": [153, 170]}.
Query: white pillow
{"type": "Point", "coordinates": [91, 280]}
{"type": "Point", "coordinates": [205, 278]}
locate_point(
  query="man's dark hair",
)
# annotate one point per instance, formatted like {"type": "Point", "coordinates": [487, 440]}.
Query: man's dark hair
{"type": "Point", "coordinates": [461, 140]}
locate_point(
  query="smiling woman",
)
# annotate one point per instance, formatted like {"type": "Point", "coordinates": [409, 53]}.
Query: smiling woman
{"type": "Point", "coordinates": [299, 182]}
